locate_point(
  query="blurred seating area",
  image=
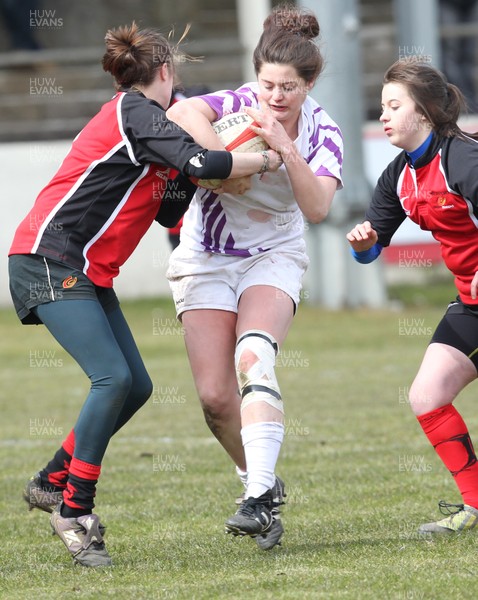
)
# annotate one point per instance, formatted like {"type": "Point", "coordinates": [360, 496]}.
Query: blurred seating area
{"type": "Point", "coordinates": [54, 83]}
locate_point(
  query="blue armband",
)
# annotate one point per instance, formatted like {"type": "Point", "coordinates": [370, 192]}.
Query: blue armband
{"type": "Point", "coordinates": [367, 256]}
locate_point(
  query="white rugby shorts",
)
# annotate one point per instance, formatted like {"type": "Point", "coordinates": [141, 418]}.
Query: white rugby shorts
{"type": "Point", "coordinates": [216, 281]}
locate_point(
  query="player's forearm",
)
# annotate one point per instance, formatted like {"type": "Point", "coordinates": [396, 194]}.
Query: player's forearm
{"type": "Point", "coordinates": [313, 194]}
{"type": "Point", "coordinates": [214, 164]}
{"type": "Point", "coordinates": [247, 163]}
{"type": "Point", "coordinates": [367, 256]}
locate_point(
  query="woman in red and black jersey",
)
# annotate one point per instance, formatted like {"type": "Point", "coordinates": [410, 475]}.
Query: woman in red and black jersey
{"type": "Point", "coordinates": [434, 182]}
{"type": "Point", "coordinates": [116, 179]}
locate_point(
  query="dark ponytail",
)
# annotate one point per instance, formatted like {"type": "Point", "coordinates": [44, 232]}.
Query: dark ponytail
{"type": "Point", "coordinates": [132, 55]}
{"type": "Point", "coordinates": [288, 39]}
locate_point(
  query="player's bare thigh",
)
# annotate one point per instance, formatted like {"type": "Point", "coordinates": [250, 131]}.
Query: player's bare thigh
{"type": "Point", "coordinates": [210, 340]}
{"type": "Point", "coordinates": [266, 308]}
{"type": "Point", "coordinates": [444, 372]}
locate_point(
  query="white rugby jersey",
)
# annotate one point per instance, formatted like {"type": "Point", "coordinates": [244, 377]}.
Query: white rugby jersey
{"type": "Point", "coordinates": [267, 215]}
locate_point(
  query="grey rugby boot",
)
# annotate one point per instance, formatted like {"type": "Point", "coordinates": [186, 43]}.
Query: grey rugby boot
{"type": "Point", "coordinates": [464, 518]}
{"type": "Point", "coordinates": [37, 497]}
{"type": "Point", "coordinates": [83, 538]}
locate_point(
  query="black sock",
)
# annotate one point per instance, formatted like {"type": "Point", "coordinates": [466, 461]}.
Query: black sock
{"type": "Point", "coordinates": [73, 513]}
{"type": "Point", "coordinates": [78, 496]}
{"type": "Point", "coordinates": [55, 475]}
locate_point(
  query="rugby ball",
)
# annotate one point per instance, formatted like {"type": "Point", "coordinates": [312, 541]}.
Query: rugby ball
{"type": "Point", "coordinates": [233, 131]}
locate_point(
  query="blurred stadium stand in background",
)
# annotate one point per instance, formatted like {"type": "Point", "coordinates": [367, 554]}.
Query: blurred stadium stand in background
{"type": "Point", "coordinates": [50, 93]}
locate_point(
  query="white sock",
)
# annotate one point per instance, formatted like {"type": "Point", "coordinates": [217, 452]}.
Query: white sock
{"type": "Point", "coordinates": [242, 476]}
{"type": "Point", "coordinates": [262, 443]}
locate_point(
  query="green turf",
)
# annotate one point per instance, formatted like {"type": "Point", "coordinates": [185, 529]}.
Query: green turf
{"type": "Point", "coordinates": [360, 474]}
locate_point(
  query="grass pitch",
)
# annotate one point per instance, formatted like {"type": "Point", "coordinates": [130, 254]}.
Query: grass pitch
{"type": "Point", "coordinates": [360, 474]}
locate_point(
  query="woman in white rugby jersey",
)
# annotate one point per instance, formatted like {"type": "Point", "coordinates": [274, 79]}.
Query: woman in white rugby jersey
{"type": "Point", "coordinates": [236, 274]}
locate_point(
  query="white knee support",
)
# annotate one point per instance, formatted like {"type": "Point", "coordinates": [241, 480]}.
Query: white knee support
{"type": "Point", "coordinates": [255, 375]}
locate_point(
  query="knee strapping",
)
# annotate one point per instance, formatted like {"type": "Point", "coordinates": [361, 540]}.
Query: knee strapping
{"type": "Point", "coordinates": [255, 361]}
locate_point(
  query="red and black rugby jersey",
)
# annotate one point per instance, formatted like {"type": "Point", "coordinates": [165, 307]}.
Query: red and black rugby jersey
{"type": "Point", "coordinates": [440, 194]}
{"type": "Point", "coordinates": [108, 189]}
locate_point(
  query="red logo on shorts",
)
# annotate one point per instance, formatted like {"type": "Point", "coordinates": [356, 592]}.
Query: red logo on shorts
{"type": "Point", "coordinates": [69, 282]}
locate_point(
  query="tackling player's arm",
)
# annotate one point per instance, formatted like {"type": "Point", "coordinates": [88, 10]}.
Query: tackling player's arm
{"type": "Point", "coordinates": [195, 116]}
{"type": "Point", "coordinates": [220, 164]}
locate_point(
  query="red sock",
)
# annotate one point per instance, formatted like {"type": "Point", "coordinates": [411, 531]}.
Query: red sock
{"type": "Point", "coordinates": [449, 435]}
{"type": "Point", "coordinates": [56, 471]}
{"type": "Point", "coordinates": [69, 443]}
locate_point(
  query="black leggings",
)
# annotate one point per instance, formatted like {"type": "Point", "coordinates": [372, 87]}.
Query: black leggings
{"type": "Point", "coordinates": [103, 346]}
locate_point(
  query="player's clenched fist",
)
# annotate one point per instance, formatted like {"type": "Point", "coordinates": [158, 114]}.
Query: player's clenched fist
{"type": "Point", "coordinates": [362, 236]}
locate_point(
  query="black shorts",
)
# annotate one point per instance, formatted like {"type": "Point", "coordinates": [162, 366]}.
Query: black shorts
{"type": "Point", "coordinates": [37, 280]}
{"type": "Point", "coordinates": [459, 328]}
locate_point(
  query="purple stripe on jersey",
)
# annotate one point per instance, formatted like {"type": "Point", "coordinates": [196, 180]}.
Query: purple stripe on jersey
{"type": "Point", "coordinates": [234, 100]}
{"type": "Point", "coordinates": [218, 231]}
{"type": "Point", "coordinates": [232, 251]}
{"type": "Point", "coordinates": [214, 225]}
{"type": "Point", "coordinates": [332, 147]}
{"type": "Point", "coordinates": [244, 253]}
{"type": "Point", "coordinates": [244, 94]}
{"type": "Point", "coordinates": [229, 246]}
{"type": "Point", "coordinates": [332, 128]}
{"type": "Point", "coordinates": [214, 222]}
{"type": "Point", "coordinates": [209, 224]}
{"type": "Point", "coordinates": [336, 151]}
{"type": "Point", "coordinates": [217, 103]}
{"type": "Point", "coordinates": [314, 139]}
{"type": "Point", "coordinates": [208, 201]}
{"type": "Point", "coordinates": [326, 172]}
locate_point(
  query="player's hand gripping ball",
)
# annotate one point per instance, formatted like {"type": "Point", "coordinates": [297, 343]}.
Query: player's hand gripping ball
{"type": "Point", "coordinates": [233, 131]}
